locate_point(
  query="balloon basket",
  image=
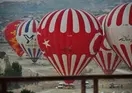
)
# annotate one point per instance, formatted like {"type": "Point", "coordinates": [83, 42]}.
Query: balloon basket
{"type": "Point", "coordinates": [34, 60]}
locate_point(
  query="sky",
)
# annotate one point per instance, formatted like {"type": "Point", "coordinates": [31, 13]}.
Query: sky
{"type": "Point", "coordinates": [11, 0]}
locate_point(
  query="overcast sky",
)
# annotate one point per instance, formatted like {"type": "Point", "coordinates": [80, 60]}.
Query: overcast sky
{"type": "Point", "coordinates": [12, 0]}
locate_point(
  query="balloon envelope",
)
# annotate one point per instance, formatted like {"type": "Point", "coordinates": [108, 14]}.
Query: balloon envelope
{"type": "Point", "coordinates": [69, 39]}
{"type": "Point", "coordinates": [26, 36]}
{"type": "Point", "coordinates": [10, 36]}
{"type": "Point", "coordinates": [106, 57]}
{"type": "Point", "coordinates": [118, 28]}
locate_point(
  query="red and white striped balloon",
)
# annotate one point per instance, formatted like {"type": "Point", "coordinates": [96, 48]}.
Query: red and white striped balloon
{"type": "Point", "coordinates": [118, 28]}
{"type": "Point", "coordinates": [70, 38]}
{"type": "Point", "coordinates": [106, 57]}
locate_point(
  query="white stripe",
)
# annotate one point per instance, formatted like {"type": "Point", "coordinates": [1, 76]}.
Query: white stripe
{"type": "Point", "coordinates": [106, 44]}
{"type": "Point", "coordinates": [126, 13]}
{"type": "Point", "coordinates": [113, 56]}
{"type": "Point", "coordinates": [103, 25]}
{"type": "Point", "coordinates": [105, 56]}
{"type": "Point", "coordinates": [46, 19]}
{"type": "Point", "coordinates": [58, 63]}
{"type": "Point", "coordinates": [17, 35]}
{"type": "Point", "coordinates": [86, 22]}
{"type": "Point", "coordinates": [92, 43]}
{"type": "Point", "coordinates": [86, 62]}
{"type": "Point", "coordinates": [40, 53]}
{"type": "Point", "coordinates": [128, 50]}
{"type": "Point", "coordinates": [23, 28]}
{"type": "Point", "coordinates": [99, 17]}
{"type": "Point", "coordinates": [121, 52]}
{"type": "Point", "coordinates": [80, 63]}
{"type": "Point", "coordinates": [39, 25]}
{"type": "Point", "coordinates": [50, 59]}
{"type": "Point", "coordinates": [115, 15]}
{"type": "Point", "coordinates": [99, 60]}
{"type": "Point", "coordinates": [75, 21]}
{"type": "Point", "coordinates": [53, 21]}
{"type": "Point", "coordinates": [108, 17]}
{"type": "Point", "coordinates": [63, 25]}
{"type": "Point", "coordinates": [73, 60]}
{"type": "Point", "coordinates": [65, 62]}
{"type": "Point", "coordinates": [30, 29]}
{"type": "Point", "coordinates": [117, 63]}
{"type": "Point", "coordinates": [93, 20]}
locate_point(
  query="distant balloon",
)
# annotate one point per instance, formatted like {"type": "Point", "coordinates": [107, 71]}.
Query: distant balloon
{"type": "Point", "coordinates": [106, 57]}
{"type": "Point", "coordinates": [118, 27]}
{"type": "Point", "coordinates": [26, 36]}
{"type": "Point", "coordinates": [10, 36]}
{"type": "Point", "coordinates": [70, 38]}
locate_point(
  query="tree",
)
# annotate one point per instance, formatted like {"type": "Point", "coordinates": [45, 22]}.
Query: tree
{"type": "Point", "coordinates": [17, 69]}
{"type": "Point", "coordinates": [14, 70]}
{"type": "Point", "coordinates": [2, 54]}
{"type": "Point", "coordinates": [27, 91]}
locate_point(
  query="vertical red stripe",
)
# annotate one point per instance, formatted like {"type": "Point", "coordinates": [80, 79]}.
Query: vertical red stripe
{"type": "Point", "coordinates": [49, 20]}
{"type": "Point", "coordinates": [55, 66]}
{"type": "Point", "coordinates": [126, 54]}
{"type": "Point", "coordinates": [56, 41]}
{"type": "Point", "coordinates": [80, 21]}
{"type": "Point", "coordinates": [20, 30]}
{"type": "Point", "coordinates": [34, 26]}
{"type": "Point", "coordinates": [98, 62]}
{"type": "Point", "coordinates": [109, 63]}
{"type": "Point", "coordinates": [40, 27]}
{"type": "Point", "coordinates": [102, 60]}
{"type": "Point", "coordinates": [130, 15]}
{"type": "Point", "coordinates": [116, 62]}
{"type": "Point", "coordinates": [82, 65]}
{"type": "Point", "coordinates": [34, 52]}
{"type": "Point", "coordinates": [51, 56]}
{"type": "Point", "coordinates": [90, 21]}
{"type": "Point", "coordinates": [111, 15]}
{"type": "Point", "coordinates": [69, 39]}
{"type": "Point", "coordinates": [120, 15]}
{"type": "Point", "coordinates": [101, 19]}
{"type": "Point", "coordinates": [76, 63]}
{"type": "Point", "coordinates": [117, 52]}
{"type": "Point", "coordinates": [62, 63]}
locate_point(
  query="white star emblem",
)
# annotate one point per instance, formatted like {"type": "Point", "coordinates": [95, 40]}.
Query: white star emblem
{"type": "Point", "coordinates": [46, 43]}
{"type": "Point", "coordinates": [38, 33]}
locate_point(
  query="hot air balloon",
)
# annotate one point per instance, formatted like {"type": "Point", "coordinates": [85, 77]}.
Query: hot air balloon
{"type": "Point", "coordinates": [69, 39]}
{"type": "Point", "coordinates": [26, 36]}
{"type": "Point", "coordinates": [106, 58]}
{"type": "Point", "coordinates": [118, 28]}
{"type": "Point", "coordinates": [10, 36]}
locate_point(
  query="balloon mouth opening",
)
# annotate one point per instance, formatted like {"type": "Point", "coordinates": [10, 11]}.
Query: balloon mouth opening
{"type": "Point", "coordinates": [34, 59]}
{"type": "Point", "coordinates": [69, 81]}
{"type": "Point", "coordinates": [108, 72]}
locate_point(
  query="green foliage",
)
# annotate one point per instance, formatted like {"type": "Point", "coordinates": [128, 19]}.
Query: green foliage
{"type": "Point", "coordinates": [17, 69]}
{"type": "Point", "coordinates": [14, 70]}
{"type": "Point", "coordinates": [26, 91]}
{"type": "Point", "coordinates": [8, 71]}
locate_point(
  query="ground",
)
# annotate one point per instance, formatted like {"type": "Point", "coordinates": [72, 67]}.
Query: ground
{"type": "Point", "coordinates": [43, 68]}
